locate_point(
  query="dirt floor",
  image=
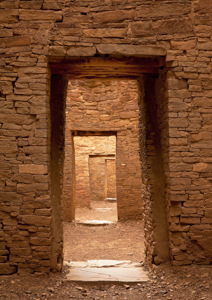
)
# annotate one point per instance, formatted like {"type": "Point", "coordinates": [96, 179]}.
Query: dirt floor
{"type": "Point", "coordinates": [121, 241]}
{"type": "Point", "coordinates": [100, 210]}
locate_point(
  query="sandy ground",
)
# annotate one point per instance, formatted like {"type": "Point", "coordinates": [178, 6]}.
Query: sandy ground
{"type": "Point", "coordinates": [119, 241]}
{"type": "Point", "coordinates": [100, 210]}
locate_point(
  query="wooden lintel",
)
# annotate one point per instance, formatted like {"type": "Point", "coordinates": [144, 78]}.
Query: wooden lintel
{"type": "Point", "coordinates": [92, 133]}
{"type": "Point", "coordinates": [106, 67]}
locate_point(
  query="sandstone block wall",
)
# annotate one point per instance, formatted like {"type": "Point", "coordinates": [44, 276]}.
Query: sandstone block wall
{"type": "Point", "coordinates": [110, 178]}
{"type": "Point", "coordinates": [34, 33]}
{"type": "Point", "coordinates": [99, 177]}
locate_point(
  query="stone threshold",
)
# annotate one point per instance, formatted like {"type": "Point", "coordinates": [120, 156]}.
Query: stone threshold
{"type": "Point", "coordinates": [111, 199]}
{"type": "Point", "coordinates": [106, 271]}
{"type": "Point", "coordinates": [94, 222]}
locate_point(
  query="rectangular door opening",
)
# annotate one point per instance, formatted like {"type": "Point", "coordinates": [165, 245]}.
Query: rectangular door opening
{"type": "Point", "coordinates": [102, 138]}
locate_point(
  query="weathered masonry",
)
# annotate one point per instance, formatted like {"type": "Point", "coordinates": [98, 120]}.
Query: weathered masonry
{"type": "Point", "coordinates": [166, 47]}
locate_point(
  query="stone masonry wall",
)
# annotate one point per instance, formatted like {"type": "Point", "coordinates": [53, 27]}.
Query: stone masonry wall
{"type": "Point", "coordinates": [97, 173]}
{"type": "Point", "coordinates": [32, 33]}
{"type": "Point", "coordinates": [110, 105]}
{"type": "Point", "coordinates": [110, 178]}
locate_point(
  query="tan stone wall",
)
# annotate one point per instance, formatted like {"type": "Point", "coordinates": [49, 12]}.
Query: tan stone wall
{"type": "Point", "coordinates": [110, 178]}
{"type": "Point", "coordinates": [97, 173]}
{"type": "Point", "coordinates": [34, 32]}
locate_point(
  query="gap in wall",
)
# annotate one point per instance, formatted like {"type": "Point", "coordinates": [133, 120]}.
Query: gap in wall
{"type": "Point", "coordinates": [95, 178]}
{"type": "Point", "coordinates": [96, 108]}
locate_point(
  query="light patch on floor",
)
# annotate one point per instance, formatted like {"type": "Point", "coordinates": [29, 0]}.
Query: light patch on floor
{"type": "Point", "coordinates": [95, 222]}
{"type": "Point", "coordinates": [106, 271]}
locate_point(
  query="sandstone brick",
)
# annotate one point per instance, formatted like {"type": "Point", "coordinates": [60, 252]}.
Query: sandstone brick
{"type": "Point", "coordinates": [3, 259]}
{"type": "Point", "coordinates": [27, 188]}
{"type": "Point", "coordinates": [36, 220]}
{"type": "Point", "coordinates": [17, 41]}
{"type": "Point", "coordinates": [208, 213]}
{"type": "Point", "coordinates": [179, 228]}
{"type": "Point", "coordinates": [176, 84]}
{"type": "Point", "coordinates": [194, 203]}
{"type": "Point", "coordinates": [52, 5]}
{"type": "Point", "coordinates": [8, 145]}
{"type": "Point", "coordinates": [189, 220]}
{"type": "Point", "coordinates": [102, 32]}
{"type": "Point", "coordinates": [40, 241]}
{"type": "Point", "coordinates": [36, 4]}
{"type": "Point", "coordinates": [40, 15]}
{"type": "Point", "coordinates": [20, 251]}
{"type": "Point", "coordinates": [5, 33]}
{"type": "Point", "coordinates": [8, 16]}
{"type": "Point", "coordinates": [200, 167]}
{"type": "Point", "coordinates": [81, 51]}
{"type": "Point", "coordinates": [113, 16]}
{"type": "Point", "coordinates": [206, 244]}
{"type": "Point", "coordinates": [140, 28]}
{"type": "Point", "coordinates": [159, 10]}
{"type": "Point", "coordinates": [57, 51]}
{"type": "Point", "coordinates": [42, 249]}
{"type": "Point", "coordinates": [130, 50]}
{"type": "Point", "coordinates": [183, 45]}
{"type": "Point", "coordinates": [33, 169]}
{"type": "Point", "coordinates": [7, 269]}
{"type": "Point", "coordinates": [173, 26]}
{"type": "Point", "coordinates": [43, 212]}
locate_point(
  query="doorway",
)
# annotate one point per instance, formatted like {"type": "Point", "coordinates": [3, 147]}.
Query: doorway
{"type": "Point", "coordinates": [152, 130]}
{"type": "Point", "coordinates": [95, 178]}
{"type": "Point", "coordinates": [99, 111]}
{"type": "Point", "coordinates": [94, 107]}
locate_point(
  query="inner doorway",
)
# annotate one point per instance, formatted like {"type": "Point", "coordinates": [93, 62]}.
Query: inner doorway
{"type": "Point", "coordinates": [103, 109]}
{"type": "Point", "coordinates": [95, 176]}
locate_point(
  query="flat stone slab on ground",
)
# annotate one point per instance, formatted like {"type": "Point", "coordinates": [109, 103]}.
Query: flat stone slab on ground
{"type": "Point", "coordinates": [111, 199]}
{"type": "Point", "coordinates": [106, 270]}
{"type": "Point", "coordinates": [103, 263]}
{"type": "Point", "coordinates": [104, 209]}
{"type": "Point", "coordinates": [114, 274]}
{"type": "Point", "coordinates": [95, 222]}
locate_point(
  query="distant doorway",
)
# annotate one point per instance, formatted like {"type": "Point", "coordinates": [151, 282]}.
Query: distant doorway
{"type": "Point", "coordinates": [95, 176]}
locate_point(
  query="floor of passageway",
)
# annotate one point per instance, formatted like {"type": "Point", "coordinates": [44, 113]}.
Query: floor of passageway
{"type": "Point", "coordinates": [100, 210]}
{"type": "Point", "coordinates": [119, 241]}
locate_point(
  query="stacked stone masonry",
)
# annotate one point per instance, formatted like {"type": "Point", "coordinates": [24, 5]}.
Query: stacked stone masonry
{"type": "Point", "coordinates": [34, 33]}
{"type": "Point", "coordinates": [110, 178]}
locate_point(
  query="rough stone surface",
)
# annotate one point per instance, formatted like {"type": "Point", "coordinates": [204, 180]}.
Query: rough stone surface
{"type": "Point", "coordinates": [130, 50]}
